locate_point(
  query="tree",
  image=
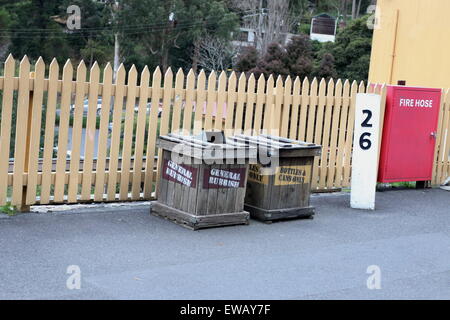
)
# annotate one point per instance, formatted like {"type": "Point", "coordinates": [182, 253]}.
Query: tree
{"type": "Point", "coordinates": [352, 50]}
{"type": "Point", "coordinates": [326, 68]}
{"type": "Point", "coordinates": [247, 59]}
{"type": "Point", "coordinates": [175, 24]}
{"type": "Point", "coordinates": [273, 62]}
{"type": "Point", "coordinates": [299, 56]}
{"type": "Point", "coordinates": [215, 53]}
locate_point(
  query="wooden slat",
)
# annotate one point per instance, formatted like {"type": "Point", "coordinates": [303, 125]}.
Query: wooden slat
{"type": "Point", "coordinates": [230, 110]}
{"type": "Point", "coordinates": [446, 154]}
{"type": "Point", "coordinates": [178, 100]}
{"type": "Point", "coordinates": [313, 100]}
{"type": "Point", "coordinates": [128, 133]}
{"type": "Point", "coordinates": [249, 107]}
{"type": "Point", "coordinates": [318, 133]}
{"type": "Point", "coordinates": [439, 155]}
{"type": "Point", "coordinates": [241, 100]}
{"type": "Point", "coordinates": [190, 96]}
{"type": "Point", "coordinates": [63, 131]}
{"type": "Point", "coordinates": [345, 100]}
{"type": "Point", "coordinates": [153, 124]}
{"type": "Point", "coordinates": [200, 102]}
{"type": "Point", "coordinates": [86, 186]}
{"type": "Point", "coordinates": [269, 108]}
{"type": "Point", "coordinates": [303, 110]}
{"type": "Point", "coordinates": [116, 132]}
{"type": "Point", "coordinates": [221, 99]}
{"type": "Point", "coordinates": [21, 128]}
{"type": "Point", "coordinates": [212, 98]}
{"type": "Point", "coordinates": [140, 131]}
{"type": "Point", "coordinates": [296, 99]}
{"type": "Point", "coordinates": [326, 135]}
{"type": "Point", "coordinates": [35, 131]}
{"type": "Point", "coordinates": [77, 133]}
{"type": "Point", "coordinates": [5, 132]}
{"type": "Point", "coordinates": [334, 135]}
{"type": "Point", "coordinates": [103, 134]}
{"type": "Point", "coordinates": [49, 132]}
{"type": "Point", "coordinates": [165, 116]}
{"type": "Point", "coordinates": [285, 110]}
{"type": "Point", "coordinates": [259, 107]}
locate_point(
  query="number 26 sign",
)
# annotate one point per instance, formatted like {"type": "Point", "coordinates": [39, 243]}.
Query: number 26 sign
{"type": "Point", "coordinates": [365, 151]}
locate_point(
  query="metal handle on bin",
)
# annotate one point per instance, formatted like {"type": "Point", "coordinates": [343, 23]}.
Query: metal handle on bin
{"type": "Point", "coordinates": [433, 134]}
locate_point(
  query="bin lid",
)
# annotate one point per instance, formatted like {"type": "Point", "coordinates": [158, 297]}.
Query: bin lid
{"type": "Point", "coordinates": [200, 147]}
{"type": "Point", "coordinates": [279, 145]}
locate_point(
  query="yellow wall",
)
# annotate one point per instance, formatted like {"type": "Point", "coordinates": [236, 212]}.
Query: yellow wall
{"type": "Point", "coordinates": [422, 45]}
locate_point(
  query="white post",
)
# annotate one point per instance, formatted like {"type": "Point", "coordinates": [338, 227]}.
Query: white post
{"type": "Point", "coordinates": [365, 151]}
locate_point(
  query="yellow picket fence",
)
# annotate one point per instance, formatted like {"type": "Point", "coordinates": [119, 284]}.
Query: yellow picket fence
{"type": "Point", "coordinates": [83, 140]}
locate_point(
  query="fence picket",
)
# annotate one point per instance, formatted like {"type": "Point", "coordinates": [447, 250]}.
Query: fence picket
{"type": "Point", "coordinates": [318, 134]}
{"type": "Point", "coordinates": [212, 98]}
{"type": "Point", "coordinates": [241, 100]}
{"type": "Point", "coordinates": [165, 115]}
{"type": "Point", "coordinates": [285, 108]}
{"type": "Point", "coordinates": [349, 136]}
{"type": "Point", "coordinates": [153, 124]}
{"type": "Point", "coordinates": [230, 105]}
{"type": "Point", "coordinates": [5, 132]}
{"type": "Point", "coordinates": [35, 131]}
{"type": "Point", "coordinates": [336, 114]}
{"type": "Point", "coordinates": [326, 150]}
{"type": "Point", "coordinates": [190, 96]}
{"type": "Point", "coordinates": [78, 115]}
{"type": "Point", "coordinates": [103, 134]}
{"type": "Point", "coordinates": [178, 100]}
{"type": "Point", "coordinates": [343, 123]}
{"type": "Point", "coordinates": [128, 134]}
{"type": "Point", "coordinates": [249, 106]}
{"type": "Point", "coordinates": [116, 133]}
{"type": "Point", "coordinates": [49, 133]}
{"type": "Point", "coordinates": [140, 133]}
{"type": "Point", "coordinates": [296, 98]}
{"type": "Point", "coordinates": [303, 110]}
{"type": "Point", "coordinates": [260, 101]}
{"type": "Point", "coordinates": [20, 150]}
{"type": "Point", "coordinates": [199, 103]}
{"type": "Point", "coordinates": [313, 101]}
{"type": "Point", "coordinates": [221, 98]}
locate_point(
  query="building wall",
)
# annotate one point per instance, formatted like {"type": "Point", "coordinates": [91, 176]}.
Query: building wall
{"type": "Point", "coordinates": [421, 43]}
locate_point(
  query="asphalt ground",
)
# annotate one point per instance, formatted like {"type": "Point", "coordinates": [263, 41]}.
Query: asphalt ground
{"type": "Point", "coordinates": [123, 252]}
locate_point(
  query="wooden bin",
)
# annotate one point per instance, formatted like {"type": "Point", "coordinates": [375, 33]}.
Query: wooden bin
{"type": "Point", "coordinates": [281, 189]}
{"type": "Point", "coordinates": [204, 186]}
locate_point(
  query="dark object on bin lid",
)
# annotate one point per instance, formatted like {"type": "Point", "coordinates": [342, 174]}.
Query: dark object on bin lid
{"type": "Point", "coordinates": [211, 136]}
{"type": "Point", "coordinates": [199, 147]}
{"type": "Point", "coordinates": [280, 145]}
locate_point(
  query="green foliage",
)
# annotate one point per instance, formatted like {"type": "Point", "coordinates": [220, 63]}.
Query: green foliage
{"type": "Point", "coordinates": [351, 50]}
{"type": "Point", "coordinates": [8, 209]}
{"type": "Point", "coordinates": [247, 59]}
{"type": "Point", "coordinates": [171, 42]}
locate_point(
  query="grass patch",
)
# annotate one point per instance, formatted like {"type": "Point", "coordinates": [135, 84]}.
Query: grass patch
{"type": "Point", "coordinates": [8, 209]}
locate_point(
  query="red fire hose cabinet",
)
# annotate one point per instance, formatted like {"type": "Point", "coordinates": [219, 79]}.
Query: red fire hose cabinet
{"type": "Point", "coordinates": [409, 134]}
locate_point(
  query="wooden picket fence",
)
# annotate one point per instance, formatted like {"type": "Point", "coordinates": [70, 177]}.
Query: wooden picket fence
{"type": "Point", "coordinates": [36, 168]}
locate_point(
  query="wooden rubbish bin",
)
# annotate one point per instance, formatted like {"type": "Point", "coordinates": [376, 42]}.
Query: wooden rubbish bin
{"type": "Point", "coordinates": [202, 184]}
{"type": "Point", "coordinates": [281, 188]}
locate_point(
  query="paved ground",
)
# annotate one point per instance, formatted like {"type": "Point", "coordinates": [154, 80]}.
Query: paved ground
{"type": "Point", "coordinates": [127, 253]}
